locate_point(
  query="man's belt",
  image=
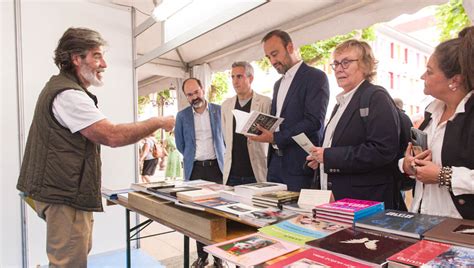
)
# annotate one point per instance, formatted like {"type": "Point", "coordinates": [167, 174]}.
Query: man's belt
{"type": "Point", "coordinates": [206, 163]}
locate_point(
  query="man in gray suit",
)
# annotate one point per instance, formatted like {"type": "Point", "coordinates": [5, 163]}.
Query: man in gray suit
{"type": "Point", "coordinates": [245, 161]}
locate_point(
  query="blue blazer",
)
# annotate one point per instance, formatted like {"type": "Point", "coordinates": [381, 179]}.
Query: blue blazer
{"type": "Point", "coordinates": [185, 137]}
{"type": "Point", "coordinates": [304, 110]}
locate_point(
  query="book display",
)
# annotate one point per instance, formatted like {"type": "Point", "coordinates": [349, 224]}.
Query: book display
{"type": "Point", "coordinates": [251, 189]}
{"type": "Point", "coordinates": [418, 254]}
{"type": "Point", "coordinates": [347, 210]}
{"type": "Point", "coordinates": [265, 217]}
{"type": "Point", "coordinates": [250, 250]}
{"type": "Point", "coordinates": [275, 199]}
{"type": "Point", "coordinates": [400, 223]}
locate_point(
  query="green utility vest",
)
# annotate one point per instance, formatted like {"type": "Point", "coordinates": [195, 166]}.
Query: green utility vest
{"type": "Point", "coordinates": [60, 167]}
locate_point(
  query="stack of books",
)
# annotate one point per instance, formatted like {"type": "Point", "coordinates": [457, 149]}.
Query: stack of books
{"type": "Point", "coordinates": [347, 210]}
{"type": "Point", "coordinates": [301, 229]}
{"type": "Point", "coordinates": [251, 189]}
{"type": "Point", "coordinates": [400, 223]}
{"type": "Point", "coordinates": [250, 250]}
{"type": "Point", "coordinates": [275, 199]}
{"type": "Point", "coordinates": [453, 231]}
{"type": "Point", "coordinates": [432, 254]}
{"type": "Point", "coordinates": [369, 247]}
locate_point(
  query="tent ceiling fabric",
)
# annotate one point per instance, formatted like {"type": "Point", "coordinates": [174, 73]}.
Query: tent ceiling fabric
{"type": "Point", "coordinates": [239, 39]}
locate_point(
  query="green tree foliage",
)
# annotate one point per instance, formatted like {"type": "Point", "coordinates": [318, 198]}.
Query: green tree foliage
{"type": "Point", "coordinates": [320, 52]}
{"type": "Point", "coordinates": [451, 19]}
{"type": "Point", "coordinates": [219, 87]}
{"type": "Point", "coordinates": [142, 102]}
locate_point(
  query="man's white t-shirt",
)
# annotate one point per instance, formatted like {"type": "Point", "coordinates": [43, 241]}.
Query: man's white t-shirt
{"type": "Point", "coordinates": [75, 110]}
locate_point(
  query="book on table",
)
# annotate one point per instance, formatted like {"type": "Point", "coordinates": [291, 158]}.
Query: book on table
{"type": "Point", "coordinates": [301, 229]}
{"type": "Point", "coordinates": [453, 231]}
{"type": "Point", "coordinates": [418, 254]}
{"type": "Point", "coordinates": [251, 189]}
{"type": "Point", "coordinates": [400, 222]}
{"type": "Point", "coordinates": [171, 192]}
{"type": "Point", "coordinates": [237, 209]}
{"type": "Point", "coordinates": [113, 194]}
{"type": "Point", "coordinates": [246, 123]}
{"type": "Point", "coordinates": [196, 195]}
{"type": "Point", "coordinates": [368, 246]}
{"type": "Point", "coordinates": [350, 208]}
{"type": "Point", "coordinates": [454, 257]}
{"type": "Point", "coordinates": [267, 216]}
{"type": "Point", "coordinates": [214, 202]}
{"type": "Point", "coordinates": [250, 250]}
{"type": "Point", "coordinates": [144, 186]}
{"type": "Point", "coordinates": [317, 258]}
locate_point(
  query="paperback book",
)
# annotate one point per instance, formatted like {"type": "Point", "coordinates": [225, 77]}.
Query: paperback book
{"type": "Point", "coordinates": [196, 195]}
{"type": "Point", "coordinates": [400, 222]}
{"type": "Point", "coordinates": [418, 254]}
{"type": "Point", "coordinates": [214, 202]}
{"type": "Point", "coordinates": [251, 189]}
{"type": "Point", "coordinates": [250, 250]}
{"type": "Point", "coordinates": [317, 258]}
{"type": "Point", "coordinates": [364, 245]}
{"type": "Point", "coordinates": [265, 217]}
{"type": "Point", "coordinates": [356, 209]}
{"type": "Point", "coordinates": [301, 229]}
{"type": "Point", "coordinates": [114, 194]}
{"type": "Point", "coordinates": [453, 257]}
{"type": "Point", "coordinates": [237, 209]}
{"type": "Point", "coordinates": [144, 186]}
{"type": "Point", "coordinates": [246, 123]}
{"type": "Point", "coordinates": [453, 231]}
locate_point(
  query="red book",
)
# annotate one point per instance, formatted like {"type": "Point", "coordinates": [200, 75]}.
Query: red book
{"type": "Point", "coordinates": [419, 253]}
{"type": "Point", "coordinates": [318, 258]}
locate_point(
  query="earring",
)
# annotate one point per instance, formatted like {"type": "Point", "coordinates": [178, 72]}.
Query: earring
{"type": "Point", "coordinates": [452, 87]}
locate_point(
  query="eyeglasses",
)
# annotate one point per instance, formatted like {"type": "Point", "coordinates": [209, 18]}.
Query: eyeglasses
{"type": "Point", "coordinates": [344, 63]}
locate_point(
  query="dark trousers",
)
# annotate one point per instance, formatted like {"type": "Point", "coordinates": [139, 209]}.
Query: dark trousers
{"type": "Point", "coordinates": [237, 180]}
{"type": "Point", "coordinates": [278, 173]}
{"type": "Point", "coordinates": [205, 170]}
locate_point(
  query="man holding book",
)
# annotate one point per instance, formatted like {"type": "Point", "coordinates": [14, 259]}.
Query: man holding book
{"type": "Point", "coordinates": [198, 136]}
{"type": "Point", "coordinates": [301, 98]}
{"type": "Point", "coordinates": [245, 161]}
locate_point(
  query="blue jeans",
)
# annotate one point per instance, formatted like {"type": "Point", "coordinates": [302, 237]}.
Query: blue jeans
{"type": "Point", "coordinates": [237, 180]}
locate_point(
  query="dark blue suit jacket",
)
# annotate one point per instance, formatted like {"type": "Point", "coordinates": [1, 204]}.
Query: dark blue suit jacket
{"type": "Point", "coordinates": [304, 110]}
{"type": "Point", "coordinates": [361, 160]}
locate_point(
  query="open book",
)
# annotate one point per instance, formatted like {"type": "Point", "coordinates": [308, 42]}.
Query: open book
{"type": "Point", "coordinates": [246, 123]}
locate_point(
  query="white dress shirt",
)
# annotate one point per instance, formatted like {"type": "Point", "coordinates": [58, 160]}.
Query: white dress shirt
{"type": "Point", "coordinates": [203, 131]}
{"type": "Point", "coordinates": [343, 100]}
{"type": "Point", "coordinates": [285, 86]}
{"type": "Point", "coordinates": [430, 198]}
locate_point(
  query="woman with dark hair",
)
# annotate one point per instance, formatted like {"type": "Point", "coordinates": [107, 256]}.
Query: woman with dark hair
{"type": "Point", "coordinates": [445, 172]}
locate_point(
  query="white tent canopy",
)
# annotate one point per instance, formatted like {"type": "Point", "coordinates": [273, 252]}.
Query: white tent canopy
{"type": "Point", "coordinates": [239, 36]}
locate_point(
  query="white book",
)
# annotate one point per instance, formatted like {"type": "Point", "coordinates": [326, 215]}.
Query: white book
{"type": "Point", "coordinates": [312, 198]}
{"type": "Point", "coordinates": [246, 123]}
{"type": "Point", "coordinates": [251, 189]}
{"type": "Point", "coordinates": [303, 141]}
{"type": "Point", "coordinates": [197, 195]}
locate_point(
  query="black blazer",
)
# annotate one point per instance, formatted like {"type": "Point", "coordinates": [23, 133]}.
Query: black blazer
{"type": "Point", "coordinates": [363, 154]}
{"type": "Point", "coordinates": [458, 151]}
{"type": "Point", "coordinates": [304, 110]}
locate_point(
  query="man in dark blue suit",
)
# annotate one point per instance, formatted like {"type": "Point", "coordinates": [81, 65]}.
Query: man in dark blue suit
{"type": "Point", "coordinates": [301, 98]}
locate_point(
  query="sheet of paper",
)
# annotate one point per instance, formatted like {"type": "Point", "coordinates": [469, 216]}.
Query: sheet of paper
{"type": "Point", "coordinates": [303, 141]}
{"type": "Point", "coordinates": [311, 198]}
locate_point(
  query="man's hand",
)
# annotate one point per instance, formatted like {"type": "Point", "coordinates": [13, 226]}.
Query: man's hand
{"type": "Point", "coordinates": [167, 122]}
{"type": "Point", "coordinates": [312, 163]}
{"type": "Point", "coordinates": [266, 136]}
{"type": "Point", "coordinates": [318, 154]}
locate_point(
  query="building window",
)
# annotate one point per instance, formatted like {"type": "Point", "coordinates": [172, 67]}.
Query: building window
{"type": "Point", "coordinates": [391, 79]}
{"type": "Point", "coordinates": [392, 50]}
{"type": "Point", "coordinates": [406, 55]}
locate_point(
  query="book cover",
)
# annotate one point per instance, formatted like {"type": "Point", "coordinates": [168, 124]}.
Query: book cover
{"type": "Point", "coordinates": [196, 195]}
{"type": "Point", "coordinates": [251, 249]}
{"type": "Point", "coordinates": [277, 196]}
{"type": "Point", "coordinates": [172, 191]}
{"type": "Point", "coordinates": [351, 206]}
{"type": "Point", "coordinates": [252, 189]}
{"type": "Point", "coordinates": [143, 186]}
{"type": "Point", "coordinates": [317, 258]}
{"type": "Point", "coordinates": [400, 222]}
{"type": "Point", "coordinates": [420, 253]}
{"type": "Point", "coordinates": [453, 231]}
{"type": "Point", "coordinates": [113, 194]}
{"type": "Point", "coordinates": [214, 202]}
{"type": "Point", "coordinates": [301, 208]}
{"type": "Point", "coordinates": [361, 244]}
{"type": "Point", "coordinates": [453, 257]}
{"type": "Point", "coordinates": [246, 123]}
{"type": "Point", "coordinates": [301, 229]}
{"type": "Point", "coordinates": [237, 209]}
{"type": "Point", "coordinates": [265, 217]}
